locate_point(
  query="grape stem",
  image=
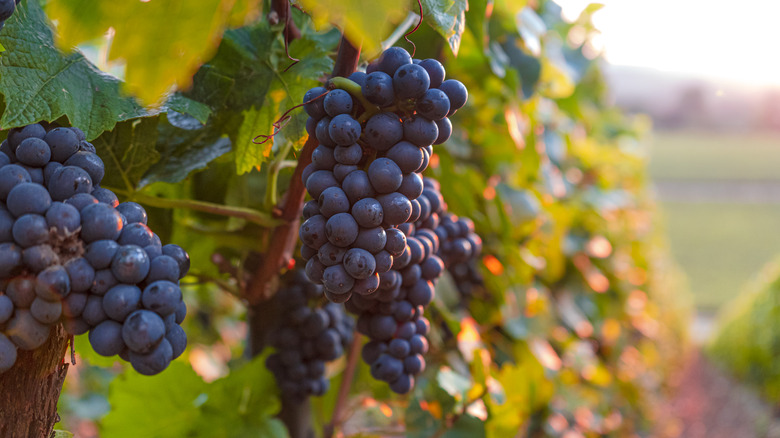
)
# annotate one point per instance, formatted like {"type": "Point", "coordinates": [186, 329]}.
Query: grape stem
{"type": "Point", "coordinates": [353, 88]}
{"type": "Point", "coordinates": [346, 383]}
{"type": "Point", "coordinates": [222, 284]}
{"type": "Point", "coordinates": [285, 235]}
{"type": "Point", "coordinates": [276, 165]}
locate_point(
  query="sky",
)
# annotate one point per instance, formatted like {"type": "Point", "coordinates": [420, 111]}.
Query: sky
{"type": "Point", "coordinates": [732, 40]}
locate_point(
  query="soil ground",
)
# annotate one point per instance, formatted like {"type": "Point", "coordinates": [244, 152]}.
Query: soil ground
{"type": "Point", "coordinates": [705, 402]}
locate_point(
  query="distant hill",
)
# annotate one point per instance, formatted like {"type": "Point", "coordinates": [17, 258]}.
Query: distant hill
{"type": "Point", "coordinates": [678, 101]}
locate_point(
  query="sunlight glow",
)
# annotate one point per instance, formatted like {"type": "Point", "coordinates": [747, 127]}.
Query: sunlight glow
{"type": "Point", "coordinates": [710, 38]}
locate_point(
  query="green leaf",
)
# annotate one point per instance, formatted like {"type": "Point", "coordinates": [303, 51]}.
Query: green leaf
{"type": "Point", "coordinates": [241, 405]}
{"type": "Point", "coordinates": [448, 18]}
{"type": "Point", "coordinates": [365, 23]}
{"type": "Point", "coordinates": [183, 151]}
{"type": "Point", "coordinates": [526, 65]}
{"type": "Point", "coordinates": [179, 103]}
{"type": "Point", "coordinates": [419, 422]}
{"type": "Point", "coordinates": [128, 152]}
{"type": "Point", "coordinates": [165, 405]}
{"type": "Point", "coordinates": [62, 434]}
{"type": "Point", "coordinates": [248, 85]}
{"type": "Point", "coordinates": [477, 19]}
{"type": "Point", "coordinates": [466, 427]}
{"type": "Point", "coordinates": [178, 36]}
{"type": "Point", "coordinates": [522, 206]}
{"type": "Point", "coordinates": [247, 390]}
{"type": "Point", "coordinates": [41, 83]}
{"type": "Point", "coordinates": [452, 382]}
{"type": "Point", "coordinates": [249, 154]}
{"type": "Point", "coordinates": [177, 403]}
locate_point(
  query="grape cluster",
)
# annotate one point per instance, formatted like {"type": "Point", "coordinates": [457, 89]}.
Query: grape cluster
{"type": "Point", "coordinates": [70, 253]}
{"type": "Point", "coordinates": [459, 250]}
{"type": "Point", "coordinates": [308, 336]}
{"type": "Point", "coordinates": [365, 176]}
{"type": "Point", "coordinates": [7, 8]}
{"type": "Point", "coordinates": [393, 317]}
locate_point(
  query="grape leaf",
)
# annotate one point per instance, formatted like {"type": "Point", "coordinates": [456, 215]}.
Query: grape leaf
{"type": "Point", "coordinates": [178, 36]}
{"type": "Point", "coordinates": [128, 151]}
{"type": "Point", "coordinates": [197, 110]}
{"type": "Point", "coordinates": [363, 22]}
{"type": "Point", "coordinates": [183, 151]}
{"type": "Point", "coordinates": [247, 391]}
{"type": "Point", "coordinates": [477, 19]}
{"type": "Point", "coordinates": [466, 426]}
{"type": "Point", "coordinates": [39, 82]}
{"type": "Point", "coordinates": [178, 403]}
{"type": "Point", "coordinates": [448, 18]}
{"type": "Point", "coordinates": [164, 405]}
{"type": "Point", "coordinates": [249, 85]}
{"type": "Point", "coordinates": [248, 153]}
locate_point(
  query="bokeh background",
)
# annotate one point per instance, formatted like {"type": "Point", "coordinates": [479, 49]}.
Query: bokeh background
{"type": "Point", "coordinates": [702, 72]}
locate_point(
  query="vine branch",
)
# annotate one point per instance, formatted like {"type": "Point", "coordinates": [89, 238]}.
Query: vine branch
{"type": "Point", "coordinates": [347, 58]}
{"type": "Point", "coordinates": [254, 216]}
{"type": "Point", "coordinates": [281, 13]}
{"type": "Point", "coordinates": [346, 383]}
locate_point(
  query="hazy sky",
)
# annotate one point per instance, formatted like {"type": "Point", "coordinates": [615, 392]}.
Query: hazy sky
{"type": "Point", "coordinates": [735, 40]}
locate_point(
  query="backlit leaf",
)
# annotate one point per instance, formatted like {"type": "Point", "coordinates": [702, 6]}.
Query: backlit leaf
{"type": "Point", "coordinates": [39, 82]}
{"type": "Point", "coordinates": [365, 23]}
{"type": "Point", "coordinates": [448, 18]}
{"type": "Point", "coordinates": [162, 406]}
{"type": "Point", "coordinates": [178, 36]}
{"type": "Point", "coordinates": [128, 151]}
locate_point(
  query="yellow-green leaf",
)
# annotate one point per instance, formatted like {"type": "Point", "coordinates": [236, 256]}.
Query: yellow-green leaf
{"type": "Point", "coordinates": [162, 42]}
{"type": "Point", "coordinates": [448, 18]}
{"type": "Point", "coordinates": [363, 22]}
{"type": "Point", "coordinates": [256, 121]}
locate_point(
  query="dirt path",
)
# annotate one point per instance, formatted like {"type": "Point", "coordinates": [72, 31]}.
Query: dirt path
{"type": "Point", "coordinates": [707, 403]}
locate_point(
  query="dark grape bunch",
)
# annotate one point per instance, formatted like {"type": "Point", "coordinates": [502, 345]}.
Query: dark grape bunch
{"type": "Point", "coordinates": [309, 335]}
{"type": "Point", "coordinates": [365, 177]}
{"type": "Point", "coordinates": [7, 8]}
{"type": "Point", "coordinates": [393, 316]}
{"type": "Point", "coordinates": [70, 253]}
{"type": "Point", "coordinates": [459, 250]}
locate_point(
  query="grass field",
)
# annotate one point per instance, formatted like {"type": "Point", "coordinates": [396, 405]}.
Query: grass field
{"type": "Point", "coordinates": [688, 155]}
{"type": "Point", "coordinates": [719, 245]}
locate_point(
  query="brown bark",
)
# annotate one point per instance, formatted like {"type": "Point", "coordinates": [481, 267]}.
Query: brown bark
{"type": "Point", "coordinates": [347, 59]}
{"type": "Point", "coordinates": [296, 415]}
{"type": "Point", "coordinates": [29, 391]}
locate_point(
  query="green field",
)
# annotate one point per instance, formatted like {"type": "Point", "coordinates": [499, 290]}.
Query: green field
{"type": "Point", "coordinates": [690, 155]}
{"type": "Point", "coordinates": [719, 245]}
